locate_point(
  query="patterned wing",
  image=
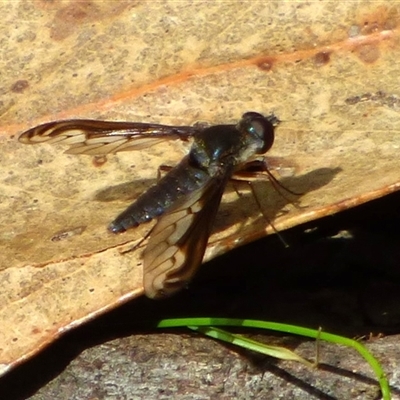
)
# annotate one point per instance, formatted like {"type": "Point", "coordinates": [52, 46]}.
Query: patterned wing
{"type": "Point", "coordinates": [85, 136]}
{"type": "Point", "coordinates": [178, 241]}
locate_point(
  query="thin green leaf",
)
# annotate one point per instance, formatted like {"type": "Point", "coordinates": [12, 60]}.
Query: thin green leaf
{"type": "Point", "coordinates": [239, 340]}
{"type": "Point", "coordinates": [293, 329]}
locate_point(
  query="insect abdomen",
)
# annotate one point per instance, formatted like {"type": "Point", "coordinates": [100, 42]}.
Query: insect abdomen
{"type": "Point", "coordinates": [181, 180]}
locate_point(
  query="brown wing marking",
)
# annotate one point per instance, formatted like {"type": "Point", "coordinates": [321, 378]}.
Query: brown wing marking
{"type": "Point", "coordinates": [104, 137]}
{"type": "Point", "coordinates": [178, 241]}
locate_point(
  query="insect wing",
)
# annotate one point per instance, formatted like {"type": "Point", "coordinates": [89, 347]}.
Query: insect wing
{"type": "Point", "coordinates": [85, 136]}
{"type": "Point", "coordinates": [178, 241]}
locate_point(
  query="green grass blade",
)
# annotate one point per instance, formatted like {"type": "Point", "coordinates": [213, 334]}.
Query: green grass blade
{"type": "Point", "coordinates": [273, 351]}
{"type": "Point", "coordinates": [195, 323]}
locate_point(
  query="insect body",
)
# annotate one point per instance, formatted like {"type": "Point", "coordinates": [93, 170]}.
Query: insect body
{"type": "Point", "coordinates": [185, 201]}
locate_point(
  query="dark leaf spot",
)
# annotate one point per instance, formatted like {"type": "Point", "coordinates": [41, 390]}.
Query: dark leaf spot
{"type": "Point", "coordinates": [19, 86]}
{"type": "Point", "coordinates": [322, 58]}
{"type": "Point", "coordinates": [266, 64]}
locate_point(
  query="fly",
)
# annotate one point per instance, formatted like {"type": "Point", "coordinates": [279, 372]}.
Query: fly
{"type": "Point", "coordinates": [185, 201]}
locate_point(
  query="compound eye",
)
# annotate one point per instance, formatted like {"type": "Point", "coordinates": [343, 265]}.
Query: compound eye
{"type": "Point", "coordinates": [263, 129]}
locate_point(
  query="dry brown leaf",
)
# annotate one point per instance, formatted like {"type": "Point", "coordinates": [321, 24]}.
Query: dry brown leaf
{"type": "Point", "coordinates": [328, 70]}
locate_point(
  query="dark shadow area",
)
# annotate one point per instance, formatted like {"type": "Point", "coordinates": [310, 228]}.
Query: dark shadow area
{"type": "Point", "coordinates": [301, 384]}
{"type": "Point", "coordinates": [127, 191]}
{"type": "Point", "coordinates": [340, 273]}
